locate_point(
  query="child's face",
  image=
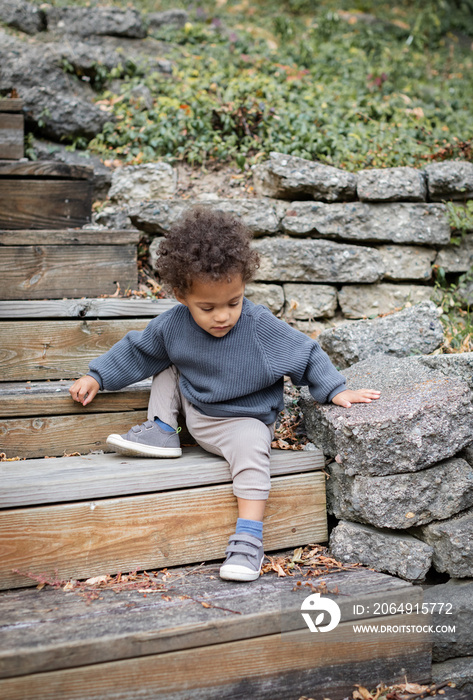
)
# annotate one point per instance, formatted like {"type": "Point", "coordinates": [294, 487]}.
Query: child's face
{"type": "Point", "coordinates": [215, 305]}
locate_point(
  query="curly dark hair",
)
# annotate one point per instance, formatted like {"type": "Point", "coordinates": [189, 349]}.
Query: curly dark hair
{"type": "Point", "coordinates": [205, 244]}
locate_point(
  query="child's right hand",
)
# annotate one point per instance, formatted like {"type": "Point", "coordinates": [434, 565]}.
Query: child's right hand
{"type": "Point", "coordinates": [84, 389]}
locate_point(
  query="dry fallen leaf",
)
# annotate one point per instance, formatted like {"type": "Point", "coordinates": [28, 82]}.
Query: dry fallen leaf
{"type": "Point", "coordinates": [96, 579]}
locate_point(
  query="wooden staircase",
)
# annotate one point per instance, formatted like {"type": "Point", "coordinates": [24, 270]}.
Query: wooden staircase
{"type": "Point", "coordinates": [74, 517]}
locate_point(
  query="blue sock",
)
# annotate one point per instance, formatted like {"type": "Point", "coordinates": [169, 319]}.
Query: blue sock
{"type": "Point", "coordinates": [164, 425]}
{"type": "Point", "coordinates": [252, 527]}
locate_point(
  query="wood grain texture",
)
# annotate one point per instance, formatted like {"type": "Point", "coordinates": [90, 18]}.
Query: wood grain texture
{"type": "Point", "coordinates": [39, 481]}
{"type": "Point", "coordinates": [11, 135]}
{"type": "Point", "coordinates": [53, 399]}
{"type": "Point", "coordinates": [11, 104]}
{"type": "Point", "coordinates": [148, 531]}
{"type": "Point", "coordinates": [56, 349]}
{"type": "Point", "coordinates": [249, 668]}
{"type": "Point", "coordinates": [69, 236]}
{"type": "Point", "coordinates": [36, 272]}
{"type": "Point", "coordinates": [49, 169]}
{"type": "Point", "coordinates": [65, 631]}
{"type": "Point", "coordinates": [58, 435]}
{"type": "Point", "coordinates": [84, 308]}
{"type": "Point", "coordinates": [44, 203]}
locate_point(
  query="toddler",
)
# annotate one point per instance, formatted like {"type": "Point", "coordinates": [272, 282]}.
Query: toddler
{"type": "Point", "coordinates": [220, 360]}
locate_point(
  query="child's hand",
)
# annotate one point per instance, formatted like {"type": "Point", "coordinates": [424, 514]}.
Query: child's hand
{"type": "Point", "coordinates": [347, 397]}
{"type": "Point", "coordinates": [84, 389]}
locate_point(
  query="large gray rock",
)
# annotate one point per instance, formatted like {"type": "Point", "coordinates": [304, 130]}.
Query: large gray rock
{"type": "Point", "coordinates": [412, 331]}
{"type": "Point", "coordinates": [405, 262]}
{"type": "Point", "coordinates": [451, 604]}
{"type": "Point", "coordinates": [261, 216]}
{"type": "Point", "coordinates": [136, 183]}
{"type": "Point", "coordinates": [425, 224]}
{"type": "Point", "coordinates": [57, 104]}
{"type": "Point", "coordinates": [365, 300]}
{"type": "Point", "coordinates": [286, 260]}
{"type": "Point", "coordinates": [271, 295]}
{"type": "Point", "coordinates": [284, 177]}
{"type": "Point", "coordinates": [88, 21]}
{"type": "Point", "coordinates": [452, 542]}
{"type": "Point", "coordinates": [421, 418]}
{"type": "Point", "coordinates": [393, 552]}
{"type": "Point", "coordinates": [307, 301]}
{"type": "Point", "coordinates": [156, 20]}
{"type": "Point", "coordinates": [48, 150]}
{"type": "Point", "coordinates": [457, 365]}
{"type": "Point", "coordinates": [452, 179]}
{"type": "Point", "coordinates": [401, 501]}
{"type": "Point", "coordinates": [391, 185]}
{"type": "Point", "coordinates": [459, 671]}
{"type": "Point", "coordinates": [457, 258]}
{"type": "Point", "coordinates": [21, 15]}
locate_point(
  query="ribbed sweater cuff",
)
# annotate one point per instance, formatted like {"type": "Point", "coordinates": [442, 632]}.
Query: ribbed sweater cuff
{"type": "Point", "coordinates": [337, 390]}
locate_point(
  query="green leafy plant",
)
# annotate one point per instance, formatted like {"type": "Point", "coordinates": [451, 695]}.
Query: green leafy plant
{"type": "Point", "coordinates": [460, 217]}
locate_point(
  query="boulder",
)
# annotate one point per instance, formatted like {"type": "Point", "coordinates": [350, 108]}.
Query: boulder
{"type": "Point", "coordinates": [261, 217]}
{"type": "Point", "coordinates": [405, 262]}
{"type": "Point", "coordinates": [285, 260]}
{"type": "Point", "coordinates": [271, 295]}
{"type": "Point", "coordinates": [48, 150]}
{"type": "Point", "coordinates": [424, 224]}
{"type": "Point", "coordinates": [451, 604]}
{"type": "Point", "coordinates": [400, 501]}
{"type": "Point", "coordinates": [156, 20]}
{"type": "Point", "coordinates": [459, 671]}
{"type": "Point", "coordinates": [89, 21]}
{"type": "Point", "coordinates": [451, 179]}
{"type": "Point", "coordinates": [365, 300]}
{"type": "Point", "coordinates": [22, 15]}
{"type": "Point", "coordinates": [414, 330]}
{"type": "Point", "coordinates": [452, 542]}
{"type": "Point", "coordinates": [57, 104]}
{"type": "Point", "coordinates": [285, 177]}
{"type": "Point", "coordinates": [457, 258]}
{"type": "Point", "coordinates": [393, 552]}
{"type": "Point", "coordinates": [112, 217]}
{"type": "Point", "coordinates": [422, 417]}
{"type": "Point", "coordinates": [391, 185]}
{"type": "Point", "coordinates": [136, 183]}
{"type": "Point", "coordinates": [307, 301]}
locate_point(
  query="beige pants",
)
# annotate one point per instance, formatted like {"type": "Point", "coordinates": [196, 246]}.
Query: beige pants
{"type": "Point", "coordinates": [244, 442]}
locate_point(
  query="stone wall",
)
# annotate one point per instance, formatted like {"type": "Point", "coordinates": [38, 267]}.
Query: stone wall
{"type": "Point", "coordinates": [339, 246]}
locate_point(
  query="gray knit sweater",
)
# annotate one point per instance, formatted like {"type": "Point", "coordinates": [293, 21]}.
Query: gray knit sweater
{"type": "Point", "coordinates": [239, 374]}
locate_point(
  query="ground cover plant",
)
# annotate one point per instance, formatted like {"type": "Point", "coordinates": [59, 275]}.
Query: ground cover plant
{"type": "Point", "coordinates": [317, 80]}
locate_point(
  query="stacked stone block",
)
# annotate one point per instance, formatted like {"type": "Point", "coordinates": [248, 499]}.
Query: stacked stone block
{"type": "Point", "coordinates": [340, 245]}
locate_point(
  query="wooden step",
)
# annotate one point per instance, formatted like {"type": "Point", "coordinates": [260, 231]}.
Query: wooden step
{"type": "Point", "coordinates": [202, 638]}
{"type": "Point", "coordinates": [39, 265]}
{"type": "Point", "coordinates": [44, 194]}
{"type": "Point", "coordinates": [84, 308]}
{"type": "Point", "coordinates": [38, 350]}
{"type": "Point", "coordinates": [12, 128]}
{"type": "Point", "coordinates": [83, 523]}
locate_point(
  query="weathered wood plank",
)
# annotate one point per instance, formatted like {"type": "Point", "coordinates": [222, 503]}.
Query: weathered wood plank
{"type": "Point", "coordinates": [39, 481]}
{"type": "Point", "coordinates": [11, 135]}
{"type": "Point", "coordinates": [11, 104]}
{"type": "Point", "coordinates": [36, 272]}
{"type": "Point", "coordinates": [53, 399]}
{"type": "Point", "coordinates": [148, 531]}
{"type": "Point", "coordinates": [44, 203]}
{"type": "Point", "coordinates": [65, 631]}
{"type": "Point", "coordinates": [265, 667]}
{"type": "Point", "coordinates": [45, 169]}
{"type": "Point", "coordinates": [84, 308]}
{"type": "Point", "coordinates": [69, 236]}
{"type": "Point", "coordinates": [54, 436]}
{"type": "Point", "coordinates": [56, 349]}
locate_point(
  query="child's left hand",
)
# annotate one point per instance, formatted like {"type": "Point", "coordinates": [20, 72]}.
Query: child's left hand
{"type": "Point", "coordinates": [347, 397]}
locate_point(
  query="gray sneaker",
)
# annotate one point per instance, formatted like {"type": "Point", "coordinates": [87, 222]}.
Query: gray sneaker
{"type": "Point", "coordinates": [147, 440]}
{"type": "Point", "coordinates": [245, 558]}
